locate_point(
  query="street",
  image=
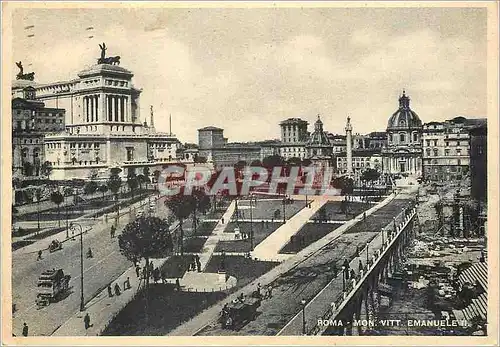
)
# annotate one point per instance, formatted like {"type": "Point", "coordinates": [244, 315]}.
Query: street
{"type": "Point", "coordinates": [106, 265]}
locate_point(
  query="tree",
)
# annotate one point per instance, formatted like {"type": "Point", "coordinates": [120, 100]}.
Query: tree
{"type": "Point", "coordinates": [114, 183]}
{"type": "Point", "coordinates": [181, 206]}
{"type": "Point", "coordinates": [272, 161]}
{"type": "Point", "coordinates": [90, 187]}
{"type": "Point", "coordinates": [145, 237]}
{"type": "Point", "coordinates": [27, 168]}
{"type": "Point", "coordinates": [370, 175]}
{"type": "Point", "coordinates": [132, 182]}
{"type": "Point", "coordinates": [256, 162]}
{"type": "Point", "coordinates": [46, 169]}
{"type": "Point", "coordinates": [142, 179]}
{"type": "Point", "coordinates": [103, 189]}
{"type": "Point", "coordinates": [57, 198]}
{"type": "Point", "coordinates": [200, 159]}
{"type": "Point", "coordinates": [94, 173]}
{"type": "Point", "coordinates": [201, 203]}
{"type": "Point", "coordinates": [294, 161]}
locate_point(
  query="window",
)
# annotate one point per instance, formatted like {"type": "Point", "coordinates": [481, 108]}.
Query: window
{"type": "Point", "coordinates": [428, 152]}
{"type": "Point", "coordinates": [415, 137]}
{"type": "Point", "coordinates": [446, 152]}
{"type": "Point", "coordinates": [435, 152]}
{"type": "Point", "coordinates": [459, 151]}
{"type": "Point", "coordinates": [402, 138]}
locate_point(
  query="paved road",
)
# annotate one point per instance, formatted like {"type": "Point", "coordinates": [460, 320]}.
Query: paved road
{"type": "Point", "coordinates": [106, 265]}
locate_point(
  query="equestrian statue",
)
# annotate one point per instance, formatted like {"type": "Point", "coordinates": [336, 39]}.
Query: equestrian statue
{"type": "Point", "coordinates": [107, 60]}
{"type": "Point", "coordinates": [21, 75]}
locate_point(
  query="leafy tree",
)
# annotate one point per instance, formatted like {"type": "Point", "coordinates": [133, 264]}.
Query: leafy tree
{"type": "Point", "coordinates": [94, 173]}
{"type": "Point", "coordinates": [294, 161]}
{"type": "Point", "coordinates": [114, 183]}
{"type": "Point", "coordinates": [181, 206]}
{"type": "Point", "coordinates": [156, 175]}
{"type": "Point", "coordinates": [103, 189]}
{"type": "Point", "coordinates": [90, 187]}
{"type": "Point", "coordinates": [306, 162]}
{"type": "Point", "coordinates": [370, 175]}
{"type": "Point", "coordinates": [145, 238]}
{"type": "Point", "coordinates": [27, 168]}
{"type": "Point", "coordinates": [272, 161]}
{"type": "Point", "coordinates": [46, 169]}
{"type": "Point", "coordinates": [256, 162]}
{"type": "Point", "coordinates": [200, 159]}
{"type": "Point", "coordinates": [57, 198]}
{"type": "Point", "coordinates": [132, 182]}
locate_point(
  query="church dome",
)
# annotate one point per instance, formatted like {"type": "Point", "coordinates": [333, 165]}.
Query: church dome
{"type": "Point", "coordinates": [404, 117]}
{"type": "Point", "coordinates": [318, 137]}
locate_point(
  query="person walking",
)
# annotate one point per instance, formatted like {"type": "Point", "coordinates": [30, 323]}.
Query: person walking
{"type": "Point", "coordinates": [117, 289]}
{"type": "Point", "coordinates": [126, 284]}
{"type": "Point", "coordinates": [110, 292]}
{"type": "Point", "coordinates": [222, 220]}
{"type": "Point", "coordinates": [137, 271]}
{"type": "Point", "coordinates": [112, 232]}
{"type": "Point", "coordinates": [25, 329]}
{"type": "Point", "coordinates": [86, 320]}
{"type": "Point", "coordinates": [39, 255]}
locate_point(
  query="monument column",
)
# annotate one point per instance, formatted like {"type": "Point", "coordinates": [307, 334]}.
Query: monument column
{"type": "Point", "coordinates": [348, 130]}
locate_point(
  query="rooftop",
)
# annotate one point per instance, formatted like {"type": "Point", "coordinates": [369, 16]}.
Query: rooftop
{"type": "Point", "coordinates": [210, 128]}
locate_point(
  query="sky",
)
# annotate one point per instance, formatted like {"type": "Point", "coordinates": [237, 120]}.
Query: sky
{"type": "Point", "coordinates": [247, 69]}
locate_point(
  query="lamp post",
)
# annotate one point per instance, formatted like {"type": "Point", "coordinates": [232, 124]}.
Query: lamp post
{"type": "Point", "coordinates": [343, 278]}
{"type": "Point", "coordinates": [303, 302]}
{"type": "Point", "coordinates": [284, 210]}
{"type": "Point", "coordinates": [251, 224]}
{"type": "Point", "coordinates": [82, 300]}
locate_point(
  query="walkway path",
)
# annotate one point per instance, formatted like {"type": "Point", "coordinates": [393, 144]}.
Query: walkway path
{"type": "Point", "coordinates": [269, 248]}
{"type": "Point", "coordinates": [213, 239]}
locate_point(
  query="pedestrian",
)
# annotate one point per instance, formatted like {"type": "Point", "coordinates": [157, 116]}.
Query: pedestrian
{"type": "Point", "coordinates": [222, 220]}
{"type": "Point", "coordinates": [126, 284]}
{"type": "Point", "coordinates": [269, 292]}
{"type": "Point", "coordinates": [198, 266]}
{"type": "Point", "coordinates": [86, 320]}
{"type": "Point", "coordinates": [258, 289]}
{"type": "Point", "coordinates": [156, 275]}
{"type": "Point", "coordinates": [110, 292]}
{"type": "Point", "coordinates": [117, 289]}
{"type": "Point", "coordinates": [89, 253]}
{"type": "Point", "coordinates": [178, 284]}
{"type": "Point", "coordinates": [113, 230]}
{"type": "Point", "coordinates": [360, 265]}
{"type": "Point", "coordinates": [39, 255]}
{"type": "Point", "coordinates": [25, 329]}
{"type": "Point", "coordinates": [137, 271]}
{"type": "Point", "coordinates": [353, 274]}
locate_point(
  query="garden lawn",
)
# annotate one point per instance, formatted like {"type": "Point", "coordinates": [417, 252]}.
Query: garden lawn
{"type": "Point", "coordinates": [260, 232]}
{"type": "Point", "coordinates": [264, 209]}
{"type": "Point", "coordinates": [310, 233]}
{"type": "Point", "coordinates": [167, 309]}
{"type": "Point", "coordinates": [245, 270]}
{"type": "Point", "coordinates": [333, 212]}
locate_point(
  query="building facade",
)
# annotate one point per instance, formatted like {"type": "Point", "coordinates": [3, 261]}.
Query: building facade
{"type": "Point", "coordinates": [403, 152]}
{"type": "Point", "coordinates": [479, 162]}
{"type": "Point", "coordinates": [446, 149]}
{"type": "Point", "coordinates": [31, 120]}
{"type": "Point", "coordinates": [102, 127]}
{"type": "Point", "coordinates": [294, 136]}
{"type": "Point", "coordinates": [318, 147]}
{"type": "Point", "coordinates": [215, 147]}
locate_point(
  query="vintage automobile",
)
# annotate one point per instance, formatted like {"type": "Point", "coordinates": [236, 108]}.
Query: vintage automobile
{"type": "Point", "coordinates": [55, 245]}
{"type": "Point", "coordinates": [51, 285]}
{"type": "Point", "coordinates": [237, 313]}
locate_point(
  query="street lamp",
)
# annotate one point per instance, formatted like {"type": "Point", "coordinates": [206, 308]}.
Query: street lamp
{"type": "Point", "coordinates": [284, 210]}
{"type": "Point", "coordinates": [343, 278]}
{"type": "Point", "coordinates": [303, 302]}
{"type": "Point", "coordinates": [251, 223]}
{"type": "Point", "coordinates": [82, 300]}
